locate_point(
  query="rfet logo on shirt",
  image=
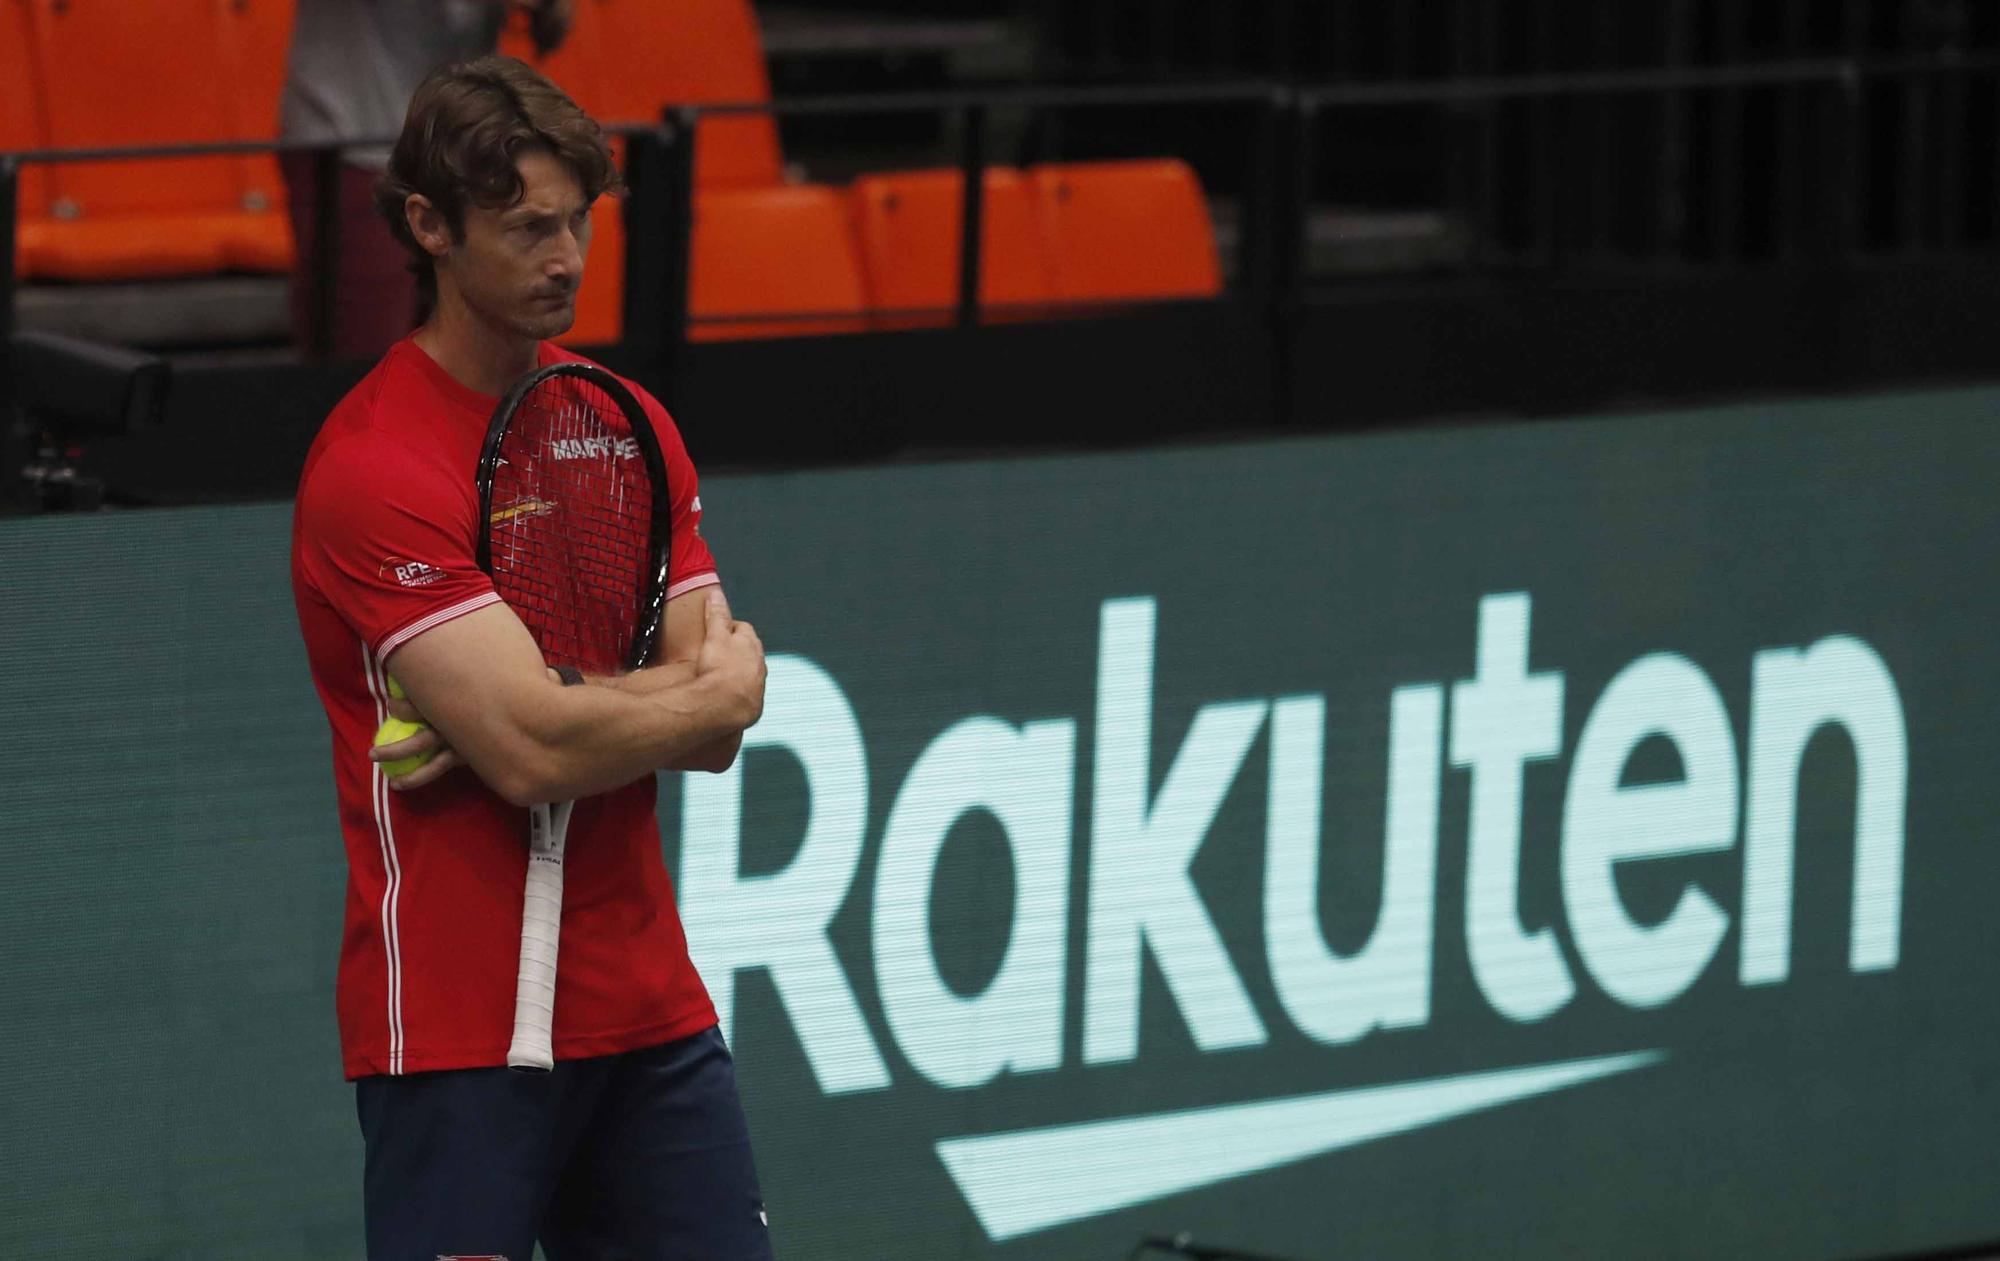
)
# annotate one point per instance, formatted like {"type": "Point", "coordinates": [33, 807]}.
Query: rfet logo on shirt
{"type": "Point", "coordinates": [410, 573]}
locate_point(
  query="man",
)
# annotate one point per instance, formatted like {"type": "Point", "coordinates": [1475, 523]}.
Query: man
{"type": "Point", "coordinates": [635, 1146]}
{"type": "Point", "coordinates": [353, 66]}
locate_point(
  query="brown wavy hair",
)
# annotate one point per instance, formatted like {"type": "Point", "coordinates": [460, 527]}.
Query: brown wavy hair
{"type": "Point", "coordinates": [468, 123]}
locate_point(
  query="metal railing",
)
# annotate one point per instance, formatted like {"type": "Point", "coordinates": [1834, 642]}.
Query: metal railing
{"type": "Point", "coordinates": [659, 172]}
{"type": "Point", "coordinates": [1813, 179]}
{"type": "Point", "coordinates": [969, 116]}
{"type": "Point", "coordinates": [1302, 42]}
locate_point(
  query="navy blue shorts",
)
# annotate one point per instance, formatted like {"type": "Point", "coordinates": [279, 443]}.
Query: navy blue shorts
{"type": "Point", "coordinates": [642, 1156]}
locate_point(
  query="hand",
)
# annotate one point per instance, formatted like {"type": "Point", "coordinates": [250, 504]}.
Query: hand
{"type": "Point", "coordinates": [548, 22]}
{"type": "Point", "coordinates": [731, 651]}
{"type": "Point", "coordinates": [422, 742]}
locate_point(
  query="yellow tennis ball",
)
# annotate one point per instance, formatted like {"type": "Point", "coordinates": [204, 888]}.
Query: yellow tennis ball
{"type": "Point", "coordinates": [395, 690]}
{"type": "Point", "coordinates": [392, 730]}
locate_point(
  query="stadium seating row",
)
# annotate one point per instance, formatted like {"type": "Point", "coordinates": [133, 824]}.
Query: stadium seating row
{"type": "Point", "coordinates": [887, 248]}
{"type": "Point", "coordinates": [80, 74]}
{"type": "Point", "coordinates": [92, 73]}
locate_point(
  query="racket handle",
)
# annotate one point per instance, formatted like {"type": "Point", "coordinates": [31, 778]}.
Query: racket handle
{"type": "Point", "coordinates": [533, 1048]}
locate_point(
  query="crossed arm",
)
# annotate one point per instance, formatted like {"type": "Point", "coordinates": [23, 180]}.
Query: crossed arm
{"type": "Point", "coordinates": [491, 703]}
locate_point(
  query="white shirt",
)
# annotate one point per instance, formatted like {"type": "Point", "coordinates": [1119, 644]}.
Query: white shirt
{"type": "Point", "coordinates": [355, 63]}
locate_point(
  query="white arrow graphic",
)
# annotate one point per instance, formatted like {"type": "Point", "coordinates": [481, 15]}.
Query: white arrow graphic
{"type": "Point", "coordinates": [1031, 1180]}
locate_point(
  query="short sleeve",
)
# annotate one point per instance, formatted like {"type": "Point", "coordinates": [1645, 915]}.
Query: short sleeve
{"type": "Point", "coordinates": [387, 539]}
{"type": "Point", "coordinates": [692, 565]}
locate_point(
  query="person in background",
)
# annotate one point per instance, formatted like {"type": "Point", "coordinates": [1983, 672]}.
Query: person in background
{"type": "Point", "coordinates": [354, 65]}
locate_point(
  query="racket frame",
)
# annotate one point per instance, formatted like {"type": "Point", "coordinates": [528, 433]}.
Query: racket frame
{"type": "Point", "coordinates": [659, 543]}
{"type": "Point", "coordinates": [541, 910]}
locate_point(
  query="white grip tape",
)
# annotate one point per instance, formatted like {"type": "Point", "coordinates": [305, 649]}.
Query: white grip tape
{"type": "Point", "coordinates": [541, 931]}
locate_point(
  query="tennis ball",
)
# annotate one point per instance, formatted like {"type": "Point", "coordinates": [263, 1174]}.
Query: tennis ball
{"type": "Point", "coordinates": [392, 730]}
{"type": "Point", "coordinates": [395, 692]}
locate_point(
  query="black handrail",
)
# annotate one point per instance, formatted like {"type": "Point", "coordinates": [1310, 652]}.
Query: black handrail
{"type": "Point", "coordinates": [1411, 92]}
{"type": "Point", "coordinates": [1241, 92]}
{"type": "Point", "coordinates": [1619, 82]}
{"type": "Point", "coordinates": [972, 171]}
{"type": "Point", "coordinates": [242, 148]}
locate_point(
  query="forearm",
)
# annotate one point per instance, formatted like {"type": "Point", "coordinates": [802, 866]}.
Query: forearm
{"type": "Point", "coordinates": [482, 683]}
{"type": "Point", "coordinates": [716, 755]}
{"type": "Point", "coordinates": [588, 740]}
{"type": "Point", "coordinates": [650, 681]}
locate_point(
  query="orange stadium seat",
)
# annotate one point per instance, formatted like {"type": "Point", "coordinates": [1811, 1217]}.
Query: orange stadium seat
{"type": "Point", "coordinates": [600, 304]}
{"type": "Point", "coordinates": [260, 34]}
{"type": "Point", "coordinates": [579, 68]}
{"type": "Point", "coordinates": [775, 251]}
{"type": "Point", "coordinates": [260, 47]}
{"type": "Point", "coordinates": [97, 69]}
{"type": "Point", "coordinates": [693, 52]}
{"type": "Point", "coordinates": [909, 224]}
{"type": "Point", "coordinates": [21, 127]}
{"type": "Point", "coordinates": [626, 60]}
{"type": "Point", "coordinates": [1127, 231]}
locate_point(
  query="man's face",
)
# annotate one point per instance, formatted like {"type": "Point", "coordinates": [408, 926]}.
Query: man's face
{"type": "Point", "coordinates": [518, 267]}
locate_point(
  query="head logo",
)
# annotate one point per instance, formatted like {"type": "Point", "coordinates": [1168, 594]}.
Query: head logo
{"type": "Point", "coordinates": [1499, 727]}
{"type": "Point", "coordinates": [407, 572]}
{"type": "Point", "coordinates": [598, 448]}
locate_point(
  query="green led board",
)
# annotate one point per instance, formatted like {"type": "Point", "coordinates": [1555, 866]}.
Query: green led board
{"type": "Point", "coordinates": [1525, 840]}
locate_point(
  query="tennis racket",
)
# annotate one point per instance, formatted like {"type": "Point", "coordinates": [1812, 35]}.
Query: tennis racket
{"type": "Point", "coordinates": [573, 491]}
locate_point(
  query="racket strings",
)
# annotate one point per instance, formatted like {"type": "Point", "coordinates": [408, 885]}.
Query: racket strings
{"type": "Point", "coordinates": [570, 527]}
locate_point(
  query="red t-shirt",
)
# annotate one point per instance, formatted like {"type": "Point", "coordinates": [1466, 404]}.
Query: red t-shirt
{"type": "Point", "coordinates": [383, 540]}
